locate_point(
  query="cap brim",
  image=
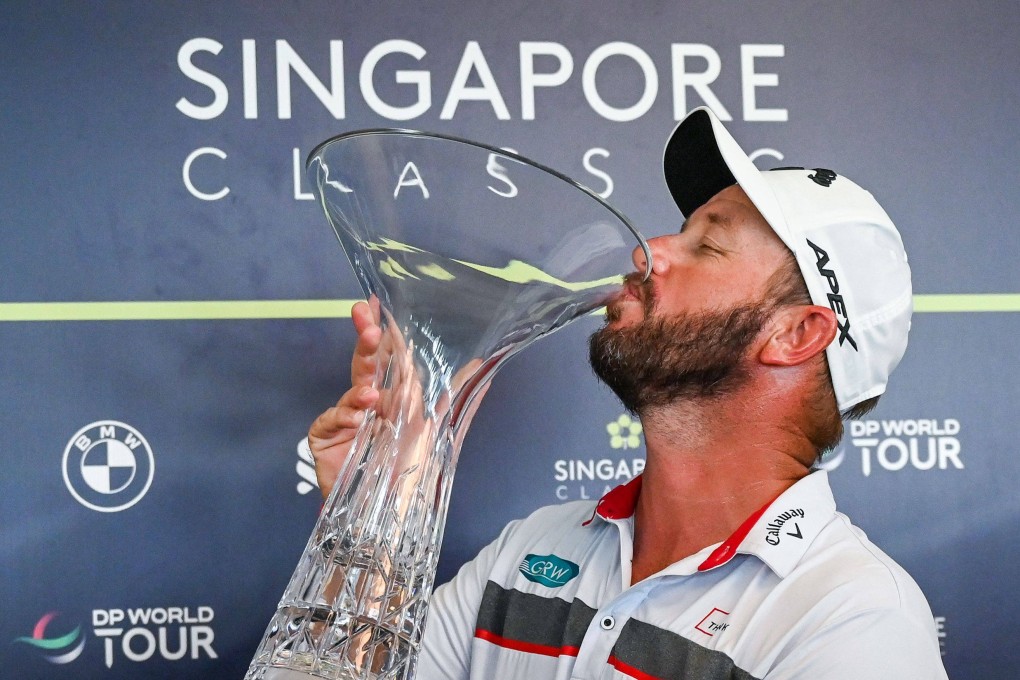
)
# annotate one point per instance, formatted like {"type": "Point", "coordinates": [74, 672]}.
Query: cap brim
{"type": "Point", "coordinates": [701, 159]}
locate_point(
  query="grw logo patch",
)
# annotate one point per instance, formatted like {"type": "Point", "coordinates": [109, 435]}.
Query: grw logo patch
{"type": "Point", "coordinates": [548, 570]}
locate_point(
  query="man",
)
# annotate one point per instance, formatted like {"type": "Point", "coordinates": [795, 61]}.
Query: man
{"type": "Point", "coordinates": [783, 303]}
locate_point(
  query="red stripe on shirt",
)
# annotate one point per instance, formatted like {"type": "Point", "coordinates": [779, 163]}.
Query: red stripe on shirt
{"type": "Point", "coordinates": [630, 670]}
{"type": "Point", "coordinates": [521, 646]}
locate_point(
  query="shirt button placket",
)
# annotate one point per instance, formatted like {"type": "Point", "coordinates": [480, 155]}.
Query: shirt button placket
{"type": "Point", "coordinates": [597, 647]}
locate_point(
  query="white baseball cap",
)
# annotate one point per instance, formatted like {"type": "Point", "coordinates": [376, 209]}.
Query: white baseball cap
{"type": "Point", "coordinates": [847, 248]}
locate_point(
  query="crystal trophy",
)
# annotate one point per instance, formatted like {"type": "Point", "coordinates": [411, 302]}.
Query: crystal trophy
{"type": "Point", "coordinates": [468, 254]}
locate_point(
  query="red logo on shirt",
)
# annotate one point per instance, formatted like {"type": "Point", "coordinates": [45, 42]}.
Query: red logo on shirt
{"type": "Point", "coordinates": [714, 622]}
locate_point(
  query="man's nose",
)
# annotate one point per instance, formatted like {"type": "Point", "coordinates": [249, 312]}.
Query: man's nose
{"type": "Point", "coordinates": [660, 257]}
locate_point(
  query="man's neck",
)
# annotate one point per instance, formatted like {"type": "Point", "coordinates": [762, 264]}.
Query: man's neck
{"type": "Point", "coordinates": [709, 467]}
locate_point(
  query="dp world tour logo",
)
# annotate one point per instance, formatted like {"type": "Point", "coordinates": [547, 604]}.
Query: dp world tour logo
{"type": "Point", "coordinates": [108, 466]}
{"type": "Point", "coordinates": [60, 649]}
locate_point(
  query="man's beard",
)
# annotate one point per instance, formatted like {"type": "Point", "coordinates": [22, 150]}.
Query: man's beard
{"type": "Point", "coordinates": [660, 360]}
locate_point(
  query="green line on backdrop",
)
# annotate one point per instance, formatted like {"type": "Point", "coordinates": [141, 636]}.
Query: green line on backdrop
{"type": "Point", "coordinates": [993, 302]}
{"type": "Point", "coordinates": [338, 309]}
{"type": "Point", "coordinates": [176, 311]}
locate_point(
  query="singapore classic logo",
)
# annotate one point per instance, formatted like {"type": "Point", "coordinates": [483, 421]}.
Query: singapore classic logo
{"type": "Point", "coordinates": [59, 648]}
{"type": "Point", "coordinates": [108, 466]}
{"type": "Point", "coordinates": [587, 478]}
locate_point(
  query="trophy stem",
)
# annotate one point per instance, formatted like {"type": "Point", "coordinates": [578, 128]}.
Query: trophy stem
{"type": "Point", "coordinates": [356, 604]}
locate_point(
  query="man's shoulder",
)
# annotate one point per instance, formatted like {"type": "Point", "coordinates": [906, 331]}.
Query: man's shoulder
{"type": "Point", "coordinates": [848, 603]}
{"type": "Point", "coordinates": [557, 518]}
{"type": "Point", "coordinates": [562, 528]}
{"type": "Point", "coordinates": [827, 561]}
{"type": "Point", "coordinates": [844, 567]}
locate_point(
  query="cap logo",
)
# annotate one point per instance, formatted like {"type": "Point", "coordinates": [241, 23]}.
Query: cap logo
{"type": "Point", "coordinates": [822, 177]}
{"type": "Point", "coordinates": [835, 299]}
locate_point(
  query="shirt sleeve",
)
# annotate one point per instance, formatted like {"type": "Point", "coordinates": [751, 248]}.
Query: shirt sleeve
{"type": "Point", "coordinates": [879, 644]}
{"type": "Point", "coordinates": [453, 612]}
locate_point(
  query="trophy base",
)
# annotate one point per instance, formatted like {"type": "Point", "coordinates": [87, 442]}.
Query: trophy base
{"type": "Point", "coordinates": [284, 674]}
{"type": "Point", "coordinates": [308, 666]}
{"type": "Point", "coordinates": [273, 673]}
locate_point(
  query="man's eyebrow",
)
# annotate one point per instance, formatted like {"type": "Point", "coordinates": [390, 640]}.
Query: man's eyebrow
{"type": "Point", "coordinates": [721, 220]}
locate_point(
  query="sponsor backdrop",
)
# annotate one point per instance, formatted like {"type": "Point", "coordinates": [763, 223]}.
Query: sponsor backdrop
{"type": "Point", "coordinates": [174, 304]}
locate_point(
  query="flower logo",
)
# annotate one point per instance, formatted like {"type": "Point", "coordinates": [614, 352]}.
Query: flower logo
{"type": "Point", "coordinates": [624, 433]}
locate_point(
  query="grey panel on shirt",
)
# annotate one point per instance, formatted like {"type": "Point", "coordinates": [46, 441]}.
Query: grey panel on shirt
{"type": "Point", "coordinates": [664, 654]}
{"type": "Point", "coordinates": [531, 618]}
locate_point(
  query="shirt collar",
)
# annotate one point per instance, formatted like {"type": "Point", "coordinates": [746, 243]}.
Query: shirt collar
{"type": "Point", "coordinates": [778, 533]}
{"type": "Point", "coordinates": [618, 503]}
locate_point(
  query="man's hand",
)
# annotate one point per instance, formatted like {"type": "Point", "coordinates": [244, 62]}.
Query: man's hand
{"type": "Point", "coordinates": [332, 433]}
{"type": "Point", "coordinates": [399, 401]}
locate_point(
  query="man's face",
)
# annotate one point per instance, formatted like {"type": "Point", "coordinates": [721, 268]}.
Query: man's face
{"type": "Point", "coordinates": [686, 331]}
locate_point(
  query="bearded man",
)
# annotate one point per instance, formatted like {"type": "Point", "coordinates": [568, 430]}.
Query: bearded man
{"type": "Point", "coordinates": [780, 307]}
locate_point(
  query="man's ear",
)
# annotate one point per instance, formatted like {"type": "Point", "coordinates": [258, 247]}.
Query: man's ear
{"type": "Point", "coordinates": [798, 333]}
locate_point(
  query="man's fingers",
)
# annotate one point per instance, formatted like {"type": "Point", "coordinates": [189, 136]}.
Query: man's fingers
{"type": "Point", "coordinates": [364, 362]}
{"type": "Point", "coordinates": [361, 315]}
{"type": "Point", "coordinates": [332, 433]}
{"type": "Point", "coordinates": [375, 307]}
{"type": "Point", "coordinates": [347, 415]}
{"type": "Point", "coordinates": [362, 397]}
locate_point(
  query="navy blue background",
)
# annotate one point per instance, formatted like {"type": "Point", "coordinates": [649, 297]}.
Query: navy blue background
{"type": "Point", "coordinates": [916, 101]}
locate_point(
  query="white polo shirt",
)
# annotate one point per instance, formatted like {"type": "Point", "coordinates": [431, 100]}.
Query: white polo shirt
{"type": "Point", "coordinates": [797, 592]}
